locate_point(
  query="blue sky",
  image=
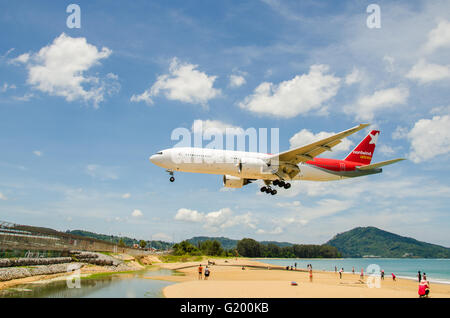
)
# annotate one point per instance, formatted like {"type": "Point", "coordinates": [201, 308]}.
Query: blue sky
{"type": "Point", "coordinates": [82, 109]}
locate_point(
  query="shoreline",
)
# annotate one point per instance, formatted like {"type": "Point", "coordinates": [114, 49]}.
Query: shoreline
{"type": "Point", "coordinates": [434, 280]}
{"type": "Point", "coordinates": [271, 281]}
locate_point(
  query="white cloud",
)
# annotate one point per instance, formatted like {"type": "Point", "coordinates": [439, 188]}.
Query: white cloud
{"type": "Point", "coordinates": [60, 68]}
{"type": "Point", "coordinates": [366, 106]}
{"type": "Point", "coordinates": [425, 72]}
{"type": "Point", "coordinates": [136, 213]}
{"type": "Point", "coordinates": [189, 215]}
{"type": "Point", "coordinates": [216, 220]}
{"type": "Point", "coordinates": [184, 83]}
{"type": "Point", "coordinates": [144, 97]}
{"type": "Point", "coordinates": [126, 196]}
{"type": "Point", "coordinates": [386, 150]}
{"type": "Point", "coordinates": [276, 231]}
{"type": "Point", "coordinates": [38, 153]}
{"type": "Point", "coordinates": [161, 237]}
{"type": "Point", "coordinates": [324, 208]}
{"type": "Point", "coordinates": [354, 77]}
{"type": "Point", "coordinates": [7, 86]}
{"type": "Point", "coordinates": [3, 197]}
{"type": "Point", "coordinates": [429, 138]}
{"type": "Point", "coordinates": [300, 95]}
{"type": "Point", "coordinates": [22, 59]}
{"type": "Point", "coordinates": [439, 37]}
{"type": "Point", "coordinates": [304, 137]}
{"type": "Point", "coordinates": [237, 80]}
{"type": "Point", "coordinates": [101, 172]}
{"type": "Point", "coordinates": [212, 126]}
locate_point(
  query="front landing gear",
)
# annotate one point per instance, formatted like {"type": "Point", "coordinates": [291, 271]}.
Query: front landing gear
{"type": "Point", "coordinates": [172, 178]}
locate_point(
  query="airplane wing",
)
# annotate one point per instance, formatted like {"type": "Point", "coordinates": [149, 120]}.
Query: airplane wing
{"type": "Point", "coordinates": [308, 152]}
{"type": "Point", "coordinates": [379, 164]}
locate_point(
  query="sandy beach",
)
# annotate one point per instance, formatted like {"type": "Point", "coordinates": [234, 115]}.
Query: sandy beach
{"type": "Point", "coordinates": [229, 280]}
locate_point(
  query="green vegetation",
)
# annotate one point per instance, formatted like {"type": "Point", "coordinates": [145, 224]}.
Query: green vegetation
{"type": "Point", "coordinates": [126, 241]}
{"type": "Point", "coordinates": [371, 241]}
{"type": "Point", "coordinates": [230, 244]}
{"type": "Point", "coordinates": [207, 248]}
{"type": "Point", "coordinates": [250, 248]}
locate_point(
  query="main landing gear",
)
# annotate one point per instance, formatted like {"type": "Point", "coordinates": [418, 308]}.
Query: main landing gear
{"type": "Point", "coordinates": [268, 189]}
{"type": "Point", "coordinates": [282, 184]}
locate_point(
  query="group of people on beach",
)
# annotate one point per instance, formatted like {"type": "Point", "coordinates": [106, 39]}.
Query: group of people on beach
{"type": "Point", "coordinates": [200, 272]}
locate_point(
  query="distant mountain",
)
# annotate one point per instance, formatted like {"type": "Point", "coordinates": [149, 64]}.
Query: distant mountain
{"type": "Point", "coordinates": [371, 241]}
{"type": "Point", "coordinates": [229, 244]}
{"type": "Point", "coordinates": [159, 245]}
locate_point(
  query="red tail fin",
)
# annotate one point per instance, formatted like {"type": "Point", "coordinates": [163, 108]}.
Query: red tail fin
{"type": "Point", "coordinates": [364, 151]}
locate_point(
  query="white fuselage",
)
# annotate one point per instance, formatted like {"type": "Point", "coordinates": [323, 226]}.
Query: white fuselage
{"type": "Point", "coordinates": [248, 165]}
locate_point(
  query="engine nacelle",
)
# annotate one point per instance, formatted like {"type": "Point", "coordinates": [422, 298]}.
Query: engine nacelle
{"type": "Point", "coordinates": [234, 182]}
{"type": "Point", "coordinates": [251, 166]}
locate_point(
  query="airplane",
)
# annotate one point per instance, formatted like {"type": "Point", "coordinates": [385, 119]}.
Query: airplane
{"type": "Point", "coordinates": [240, 168]}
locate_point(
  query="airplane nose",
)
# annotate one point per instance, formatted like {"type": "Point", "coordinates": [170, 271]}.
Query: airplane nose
{"type": "Point", "coordinates": [153, 159]}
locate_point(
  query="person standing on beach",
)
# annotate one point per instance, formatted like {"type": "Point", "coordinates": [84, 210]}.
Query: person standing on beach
{"type": "Point", "coordinates": [419, 276]}
{"type": "Point", "coordinates": [200, 271]}
{"type": "Point", "coordinates": [310, 275]}
{"type": "Point", "coordinates": [340, 273]}
{"type": "Point", "coordinates": [425, 276]}
{"type": "Point", "coordinates": [362, 273]}
{"type": "Point", "coordinates": [382, 274]}
{"type": "Point", "coordinates": [393, 276]}
{"type": "Point", "coordinates": [353, 270]}
{"type": "Point", "coordinates": [424, 288]}
{"type": "Point", "coordinates": [206, 273]}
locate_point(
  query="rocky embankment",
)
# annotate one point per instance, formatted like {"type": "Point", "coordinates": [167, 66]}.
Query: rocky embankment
{"type": "Point", "coordinates": [22, 272]}
{"type": "Point", "coordinates": [27, 267]}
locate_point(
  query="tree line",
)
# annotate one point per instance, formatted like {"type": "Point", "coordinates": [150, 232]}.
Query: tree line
{"type": "Point", "coordinates": [250, 248]}
{"type": "Point", "coordinates": [208, 247]}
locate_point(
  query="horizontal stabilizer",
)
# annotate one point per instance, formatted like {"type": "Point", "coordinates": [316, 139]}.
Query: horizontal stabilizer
{"type": "Point", "coordinates": [379, 164]}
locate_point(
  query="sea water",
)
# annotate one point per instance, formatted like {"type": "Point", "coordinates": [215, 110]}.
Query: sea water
{"type": "Point", "coordinates": [437, 270]}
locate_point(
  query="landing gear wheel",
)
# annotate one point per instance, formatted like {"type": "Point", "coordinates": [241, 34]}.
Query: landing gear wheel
{"type": "Point", "coordinates": [281, 184]}
{"type": "Point", "coordinates": [268, 190]}
{"type": "Point", "coordinates": [287, 185]}
{"type": "Point", "coordinates": [273, 192]}
{"type": "Point", "coordinates": [276, 182]}
{"type": "Point", "coordinates": [172, 179]}
{"type": "Point", "coordinates": [263, 189]}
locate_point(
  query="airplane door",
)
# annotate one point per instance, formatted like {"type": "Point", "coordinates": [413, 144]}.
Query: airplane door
{"type": "Point", "coordinates": [342, 166]}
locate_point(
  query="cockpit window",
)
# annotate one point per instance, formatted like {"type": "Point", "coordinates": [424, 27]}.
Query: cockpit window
{"type": "Point", "coordinates": [159, 153]}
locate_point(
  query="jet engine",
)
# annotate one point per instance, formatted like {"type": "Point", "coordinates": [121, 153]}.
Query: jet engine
{"type": "Point", "coordinates": [234, 182]}
{"type": "Point", "coordinates": [251, 166]}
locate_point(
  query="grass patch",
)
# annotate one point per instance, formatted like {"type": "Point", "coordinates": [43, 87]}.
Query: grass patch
{"type": "Point", "coordinates": [182, 258]}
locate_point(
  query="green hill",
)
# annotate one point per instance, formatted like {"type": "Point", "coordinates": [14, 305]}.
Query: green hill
{"type": "Point", "coordinates": [371, 241]}
{"type": "Point", "coordinates": [159, 245]}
